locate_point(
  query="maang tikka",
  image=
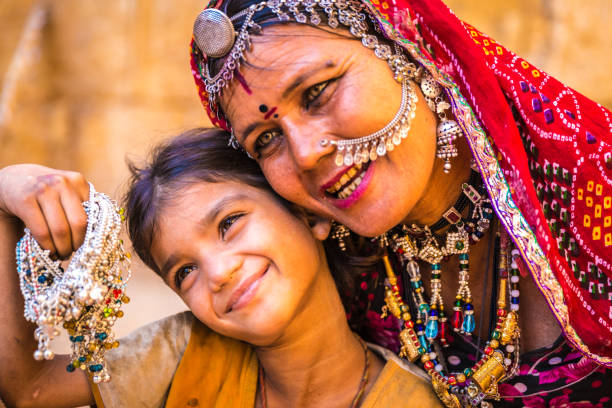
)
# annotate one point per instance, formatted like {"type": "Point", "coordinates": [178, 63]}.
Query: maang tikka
{"type": "Point", "coordinates": [216, 37]}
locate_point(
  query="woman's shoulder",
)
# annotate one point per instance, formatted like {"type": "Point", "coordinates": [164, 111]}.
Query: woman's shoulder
{"type": "Point", "coordinates": [400, 384]}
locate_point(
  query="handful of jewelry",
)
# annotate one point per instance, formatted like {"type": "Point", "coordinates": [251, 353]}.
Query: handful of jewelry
{"type": "Point", "coordinates": [86, 297]}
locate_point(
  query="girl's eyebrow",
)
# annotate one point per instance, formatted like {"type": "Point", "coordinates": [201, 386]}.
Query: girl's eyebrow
{"type": "Point", "coordinates": [210, 216]}
{"type": "Point", "coordinates": [296, 82]}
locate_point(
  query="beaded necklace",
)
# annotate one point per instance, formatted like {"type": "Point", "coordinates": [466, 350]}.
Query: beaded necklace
{"type": "Point", "coordinates": [421, 337]}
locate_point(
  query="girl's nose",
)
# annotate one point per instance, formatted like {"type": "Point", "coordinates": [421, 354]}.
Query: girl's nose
{"type": "Point", "coordinates": [222, 270]}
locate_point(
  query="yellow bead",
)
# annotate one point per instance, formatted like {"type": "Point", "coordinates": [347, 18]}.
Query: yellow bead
{"type": "Point", "coordinates": [424, 358]}
{"type": "Point", "coordinates": [119, 313]}
{"type": "Point", "coordinates": [125, 299]}
{"type": "Point", "coordinates": [494, 343]}
{"type": "Point", "coordinates": [115, 344]}
{"type": "Point", "coordinates": [461, 377]}
{"type": "Point", "coordinates": [108, 346]}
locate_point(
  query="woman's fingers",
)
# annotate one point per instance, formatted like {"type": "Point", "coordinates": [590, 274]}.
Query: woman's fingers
{"type": "Point", "coordinates": [58, 227]}
{"type": "Point", "coordinates": [49, 202]}
{"type": "Point", "coordinates": [72, 197]}
{"type": "Point", "coordinates": [32, 216]}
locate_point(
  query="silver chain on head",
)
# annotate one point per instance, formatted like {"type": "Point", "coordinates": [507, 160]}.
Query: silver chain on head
{"type": "Point", "coordinates": [216, 37]}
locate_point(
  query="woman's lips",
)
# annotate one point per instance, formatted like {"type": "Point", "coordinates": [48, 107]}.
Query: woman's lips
{"type": "Point", "coordinates": [245, 291]}
{"type": "Point", "coordinates": [356, 188]}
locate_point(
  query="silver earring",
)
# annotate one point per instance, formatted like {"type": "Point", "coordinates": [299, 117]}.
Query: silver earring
{"type": "Point", "coordinates": [448, 130]}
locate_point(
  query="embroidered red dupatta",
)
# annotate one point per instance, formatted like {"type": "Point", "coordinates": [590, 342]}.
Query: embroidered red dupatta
{"type": "Point", "coordinates": [544, 152]}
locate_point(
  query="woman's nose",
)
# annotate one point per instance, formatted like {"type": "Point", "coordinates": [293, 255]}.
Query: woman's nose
{"type": "Point", "coordinates": [222, 270]}
{"type": "Point", "coordinates": [304, 139]}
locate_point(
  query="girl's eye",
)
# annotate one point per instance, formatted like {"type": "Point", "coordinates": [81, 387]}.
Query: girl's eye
{"type": "Point", "coordinates": [314, 91]}
{"type": "Point", "coordinates": [227, 222]}
{"type": "Point", "coordinates": [182, 273]}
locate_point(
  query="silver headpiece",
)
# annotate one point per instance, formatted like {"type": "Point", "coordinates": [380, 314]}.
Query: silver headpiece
{"type": "Point", "coordinates": [216, 37]}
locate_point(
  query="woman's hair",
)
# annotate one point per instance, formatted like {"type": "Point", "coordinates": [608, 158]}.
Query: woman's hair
{"type": "Point", "coordinates": [203, 155]}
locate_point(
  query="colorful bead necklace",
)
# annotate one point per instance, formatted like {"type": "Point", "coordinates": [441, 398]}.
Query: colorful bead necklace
{"type": "Point", "coordinates": [422, 337]}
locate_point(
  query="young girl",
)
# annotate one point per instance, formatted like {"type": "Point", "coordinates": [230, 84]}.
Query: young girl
{"type": "Point", "coordinates": [267, 327]}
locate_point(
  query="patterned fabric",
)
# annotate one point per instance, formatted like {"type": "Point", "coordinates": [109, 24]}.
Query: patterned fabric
{"type": "Point", "coordinates": [550, 178]}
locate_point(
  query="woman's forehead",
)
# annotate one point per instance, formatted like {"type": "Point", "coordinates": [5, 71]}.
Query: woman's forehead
{"type": "Point", "coordinates": [282, 55]}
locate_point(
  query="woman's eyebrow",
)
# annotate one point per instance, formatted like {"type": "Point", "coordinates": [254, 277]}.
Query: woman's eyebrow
{"type": "Point", "coordinates": [297, 81]}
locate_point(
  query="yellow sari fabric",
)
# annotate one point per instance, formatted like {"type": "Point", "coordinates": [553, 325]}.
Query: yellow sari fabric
{"type": "Point", "coordinates": [216, 371]}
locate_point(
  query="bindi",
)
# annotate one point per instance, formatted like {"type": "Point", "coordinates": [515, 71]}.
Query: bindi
{"type": "Point", "coordinates": [270, 113]}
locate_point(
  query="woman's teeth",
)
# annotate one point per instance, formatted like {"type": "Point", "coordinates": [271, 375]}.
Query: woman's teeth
{"type": "Point", "coordinates": [348, 182]}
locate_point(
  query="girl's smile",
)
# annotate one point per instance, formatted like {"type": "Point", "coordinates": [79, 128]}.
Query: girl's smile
{"type": "Point", "coordinates": [236, 255]}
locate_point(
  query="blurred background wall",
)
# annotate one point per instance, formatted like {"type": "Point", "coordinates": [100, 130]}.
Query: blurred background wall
{"type": "Point", "coordinates": [84, 83]}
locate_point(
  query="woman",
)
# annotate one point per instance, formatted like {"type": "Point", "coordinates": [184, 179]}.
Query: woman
{"type": "Point", "coordinates": [240, 284]}
{"type": "Point", "coordinates": [319, 112]}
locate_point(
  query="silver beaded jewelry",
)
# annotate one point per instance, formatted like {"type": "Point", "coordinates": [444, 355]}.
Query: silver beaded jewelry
{"type": "Point", "coordinates": [216, 37]}
{"type": "Point", "coordinates": [370, 147]}
{"type": "Point", "coordinates": [85, 298]}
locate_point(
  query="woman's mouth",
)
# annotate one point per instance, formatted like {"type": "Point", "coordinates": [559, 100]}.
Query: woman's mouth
{"type": "Point", "coordinates": [349, 182]}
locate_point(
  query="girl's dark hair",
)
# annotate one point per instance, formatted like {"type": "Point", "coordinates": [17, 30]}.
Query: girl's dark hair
{"type": "Point", "coordinates": [203, 155]}
{"type": "Point", "coordinates": [196, 155]}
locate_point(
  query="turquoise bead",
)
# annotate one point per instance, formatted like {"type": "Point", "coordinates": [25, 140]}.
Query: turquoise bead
{"type": "Point", "coordinates": [469, 323]}
{"type": "Point", "coordinates": [431, 329]}
{"type": "Point", "coordinates": [423, 341]}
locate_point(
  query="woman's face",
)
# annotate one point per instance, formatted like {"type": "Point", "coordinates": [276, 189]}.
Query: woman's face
{"type": "Point", "coordinates": [304, 84]}
{"type": "Point", "coordinates": [238, 258]}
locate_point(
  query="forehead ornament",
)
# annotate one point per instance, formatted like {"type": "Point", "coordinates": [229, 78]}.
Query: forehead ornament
{"type": "Point", "coordinates": [216, 36]}
{"type": "Point", "coordinates": [214, 33]}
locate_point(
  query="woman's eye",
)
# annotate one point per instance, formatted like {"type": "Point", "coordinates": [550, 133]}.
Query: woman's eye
{"type": "Point", "coordinates": [266, 138]}
{"type": "Point", "coordinates": [314, 91]}
{"type": "Point", "coordinates": [181, 274]}
{"type": "Point", "coordinates": [227, 222]}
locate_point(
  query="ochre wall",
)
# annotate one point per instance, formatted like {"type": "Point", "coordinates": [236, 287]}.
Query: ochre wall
{"type": "Point", "coordinates": [102, 79]}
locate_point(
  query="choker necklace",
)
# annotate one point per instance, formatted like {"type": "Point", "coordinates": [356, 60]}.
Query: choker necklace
{"type": "Point", "coordinates": [360, 391]}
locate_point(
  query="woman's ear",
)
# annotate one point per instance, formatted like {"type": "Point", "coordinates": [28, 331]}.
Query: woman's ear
{"type": "Point", "coordinates": [320, 226]}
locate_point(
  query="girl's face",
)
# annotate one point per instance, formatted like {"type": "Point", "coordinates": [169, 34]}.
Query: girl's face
{"type": "Point", "coordinates": [304, 84]}
{"type": "Point", "coordinates": [238, 258]}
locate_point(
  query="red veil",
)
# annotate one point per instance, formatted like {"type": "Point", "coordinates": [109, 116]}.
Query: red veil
{"type": "Point", "coordinates": [544, 152]}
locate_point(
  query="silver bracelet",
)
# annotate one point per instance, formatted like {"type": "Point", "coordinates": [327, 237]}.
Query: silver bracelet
{"type": "Point", "coordinates": [86, 297]}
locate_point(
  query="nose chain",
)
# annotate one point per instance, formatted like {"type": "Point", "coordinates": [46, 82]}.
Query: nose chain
{"type": "Point", "coordinates": [370, 147]}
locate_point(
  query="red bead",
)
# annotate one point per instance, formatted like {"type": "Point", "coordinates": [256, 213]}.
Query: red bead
{"type": "Point", "coordinates": [429, 365]}
{"type": "Point", "coordinates": [409, 324]}
{"type": "Point", "coordinates": [445, 334]}
{"type": "Point", "coordinates": [501, 312]}
{"type": "Point", "coordinates": [488, 351]}
{"type": "Point", "coordinates": [452, 380]}
{"type": "Point", "coordinates": [395, 288]}
{"type": "Point", "coordinates": [457, 319]}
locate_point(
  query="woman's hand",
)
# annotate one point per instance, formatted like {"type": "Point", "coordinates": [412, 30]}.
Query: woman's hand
{"type": "Point", "coordinates": [49, 202]}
